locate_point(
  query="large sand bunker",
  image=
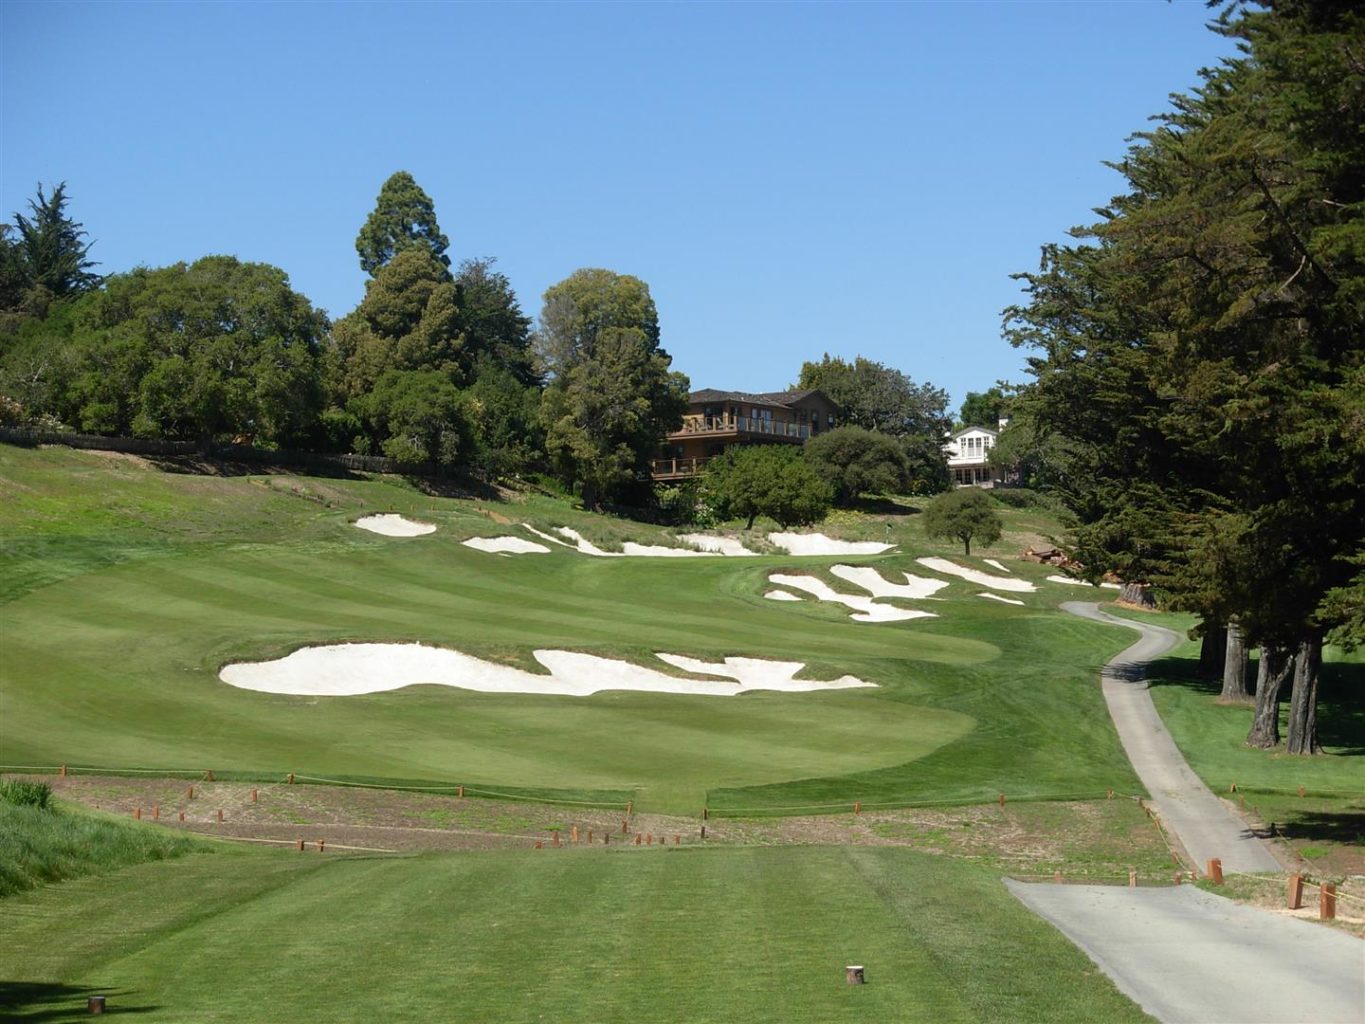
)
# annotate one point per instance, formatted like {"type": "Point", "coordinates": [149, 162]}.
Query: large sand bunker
{"type": "Point", "coordinates": [865, 609]}
{"type": "Point", "coordinates": [343, 670]}
{"type": "Point", "coordinates": [819, 544]}
{"type": "Point", "coordinates": [716, 545]}
{"type": "Point", "coordinates": [392, 525]}
{"type": "Point", "coordinates": [1082, 583]}
{"type": "Point", "coordinates": [914, 588]}
{"type": "Point", "coordinates": [506, 546]}
{"type": "Point", "coordinates": [984, 579]}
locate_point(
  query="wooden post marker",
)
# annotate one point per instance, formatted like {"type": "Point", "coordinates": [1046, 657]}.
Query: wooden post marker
{"type": "Point", "coordinates": [182, 815]}
{"type": "Point", "coordinates": [300, 846]}
{"type": "Point", "coordinates": [630, 808]}
{"type": "Point", "coordinates": [94, 1004]}
{"type": "Point", "coordinates": [189, 792]}
{"type": "Point", "coordinates": [649, 838]}
{"type": "Point", "coordinates": [220, 815]}
{"type": "Point", "coordinates": [156, 812]}
{"type": "Point", "coordinates": [606, 838]}
{"type": "Point", "coordinates": [855, 974]}
{"type": "Point", "coordinates": [638, 837]}
{"type": "Point", "coordinates": [460, 792]}
{"type": "Point", "coordinates": [322, 845]}
{"type": "Point", "coordinates": [62, 773]}
{"type": "Point", "coordinates": [554, 837]}
{"type": "Point", "coordinates": [1215, 871]}
{"type": "Point", "coordinates": [625, 827]}
{"type": "Point", "coordinates": [1109, 795]}
{"type": "Point", "coordinates": [253, 796]}
{"type": "Point", "coordinates": [589, 837]}
{"type": "Point", "coordinates": [1179, 877]}
{"type": "Point", "coordinates": [573, 835]}
{"type": "Point", "coordinates": [1295, 894]}
{"type": "Point", "coordinates": [208, 776]}
{"type": "Point", "coordinates": [290, 780]}
{"type": "Point", "coordinates": [137, 813]}
{"type": "Point", "coordinates": [677, 840]}
{"type": "Point", "coordinates": [1001, 799]}
{"type": "Point", "coordinates": [1132, 879]}
{"type": "Point", "coordinates": [703, 831]}
{"type": "Point", "coordinates": [706, 814]}
{"type": "Point", "coordinates": [539, 845]}
{"type": "Point", "coordinates": [1232, 788]}
{"type": "Point", "coordinates": [857, 807]}
{"type": "Point", "coordinates": [1327, 901]}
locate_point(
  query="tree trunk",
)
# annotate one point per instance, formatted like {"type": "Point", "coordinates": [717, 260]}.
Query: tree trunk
{"type": "Point", "coordinates": [1235, 669]}
{"type": "Point", "coordinates": [967, 545]}
{"type": "Point", "coordinates": [750, 524]}
{"type": "Point", "coordinates": [1212, 651]}
{"type": "Point", "coordinates": [1275, 665]}
{"type": "Point", "coordinates": [1303, 702]}
{"type": "Point", "coordinates": [1137, 594]}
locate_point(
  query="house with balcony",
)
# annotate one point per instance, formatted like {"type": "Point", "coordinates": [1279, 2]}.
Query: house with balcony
{"type": "Point", "coordinates": [716, 420]}
{"type": "Point", "coordinates": [968, 452]}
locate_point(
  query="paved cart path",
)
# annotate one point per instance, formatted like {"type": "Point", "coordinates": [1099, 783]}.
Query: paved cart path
{"type": "Point", "coordinates": [1205, 826]}
{"type": "Point", "coordinates": [1185, 955]}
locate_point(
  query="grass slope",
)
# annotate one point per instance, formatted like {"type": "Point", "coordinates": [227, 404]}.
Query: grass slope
{"type": "Point", "coordinates": [113, 663]}
{"type": "Point", "coordinates": [665, 935]}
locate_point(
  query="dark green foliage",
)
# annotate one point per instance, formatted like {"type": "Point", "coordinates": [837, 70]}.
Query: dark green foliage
{"type": "Point", "coordinates": [767, 480]}
{"type": "Point", "coordinates": [982, 409]}
{"type": "Point", "coordinates": [967, 514]}
{"type": "Point", "coordinates": [404, 217]}
{"type": "Point", "coordinates": [416, 416]}
{"type": "Point", "coordinates": [611, 397]}
{"type": "Point", "coordinates": [855, 461]}
{"type": "Point", "coordinates": [43, 258]}
{"type": "Point", "coordinates": [22, 793]}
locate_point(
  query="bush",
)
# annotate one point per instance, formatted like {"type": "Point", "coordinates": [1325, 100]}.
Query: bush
{"type": "Point", "coordinates": [767, 480]}
{"type": "Point", "coordinates": [857, 461]}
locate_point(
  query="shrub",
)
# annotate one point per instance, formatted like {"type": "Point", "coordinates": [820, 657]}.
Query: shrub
{"type": "Point", "coordinates": [26, 794]}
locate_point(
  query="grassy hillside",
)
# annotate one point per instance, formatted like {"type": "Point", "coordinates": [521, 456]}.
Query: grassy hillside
{"type": "Point", "coordinates": [138, 585]}
{"type": "Point", "coordinates": [663, 935]}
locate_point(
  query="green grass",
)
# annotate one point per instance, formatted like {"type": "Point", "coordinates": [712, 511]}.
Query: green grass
{"type": "Point", "coordinates": [112, 662]}
{"type": "Point", "coordinates": [60, 842]}
{"type": "Point", "coordinates": [665, 935]}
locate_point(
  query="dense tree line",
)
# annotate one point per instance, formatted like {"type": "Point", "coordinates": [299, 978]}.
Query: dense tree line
{"type": "Point", "coordinates": [1199, 355]}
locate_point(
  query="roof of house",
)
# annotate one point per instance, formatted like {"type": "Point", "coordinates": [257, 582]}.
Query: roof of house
{"type": "Point", "coordinates": [967, 430]}
{"type": "Point", "coordinates": [784, 399]}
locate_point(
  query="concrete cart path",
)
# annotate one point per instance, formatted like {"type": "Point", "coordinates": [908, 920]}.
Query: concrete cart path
{"type": "Point", "coordinates": [1203, 824]}
{"type": "Point", "coordinates": [1183, 954]}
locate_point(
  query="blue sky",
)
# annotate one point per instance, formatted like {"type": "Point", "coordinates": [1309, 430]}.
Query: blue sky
{"type": "Point", "coordinates": [790, 179]}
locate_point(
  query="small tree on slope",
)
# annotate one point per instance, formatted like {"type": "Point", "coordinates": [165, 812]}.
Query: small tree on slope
{"type": "Point", "coordinates": [967, 514]}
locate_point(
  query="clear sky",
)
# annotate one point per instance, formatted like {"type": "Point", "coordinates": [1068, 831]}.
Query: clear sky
{"type": "Point", "coordinates": [790, 179]}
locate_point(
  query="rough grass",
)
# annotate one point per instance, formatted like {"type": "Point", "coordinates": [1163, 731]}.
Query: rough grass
{"type": "Point", "coordinates": [113, 663]}
{"type": "Point", "coordinates": [664, 935]}
{"type": "Point", "coordinates": [59, 842]}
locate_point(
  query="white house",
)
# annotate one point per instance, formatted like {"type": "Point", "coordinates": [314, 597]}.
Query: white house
{"type": "Point", "coordinates": [968, 451]}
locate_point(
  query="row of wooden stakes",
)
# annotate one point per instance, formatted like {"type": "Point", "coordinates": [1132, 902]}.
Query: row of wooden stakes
{"type": "Point", "coordinates": [641, 838]}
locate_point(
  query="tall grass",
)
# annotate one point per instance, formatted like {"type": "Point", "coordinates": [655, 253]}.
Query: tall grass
{"type": "Point", "coordinates": [41, 842]}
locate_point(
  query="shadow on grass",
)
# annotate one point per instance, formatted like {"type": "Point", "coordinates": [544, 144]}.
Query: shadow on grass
{"type": "Point", "coordinates": [1346, 827]}
{"type": "Point", "coordinates": [34, 1001]}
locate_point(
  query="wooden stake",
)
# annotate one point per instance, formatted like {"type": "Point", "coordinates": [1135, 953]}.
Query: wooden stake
{"type": "Point", "coordinates": [1001, 799]}
{"type": "Point", "coordinates": [208, 776]}
{"type": "Point", "coordinates": [322, 845]}
{"type": "Point", "coordinates": [1295, 893]}
{"type": "Point", "coordinates": [857, 807]}
{"type": "Point", "coordinates": [461, 793]}
{"type": "Point", "coordinates": [1232, 788]}
{"type": "Point", "coordinates": [854, 975]}
{"type": "Point", "coordinates": [703, 831]}
{"type": "Point", "coordinates": [220, 815]}
{"type": "Point", "coordinates": [62, 773]}
{"type": "Point", "coordinates": [638, 837]}
{"type": "Point", "coordinates": [554, 838]}
{"type": "Point", "coordinates": [137, 813]}
{"type": "Point", "coordinates": [606, 838]}
{"type": "Point", "coordinates": [625, 827]}
{"type": "Point", "coordinates": [253, 796]}
{"type": "Point", "coordinates": [649, 838]}
{"type": "Point", "coordinates": [630, 808]}
{"type": "Point", "coordinates": [677, 840]}
{"type": "Point", "coordinates": [300, 846]}
{"type": "Point", "coordinates": [589, 837]}
{"type": "Point", "coordinates": [182, 815]}
{"type": "Point", "coordinates": [156, 812]}
{"type": "Point", "coordinates": [1215, 871]}
{"type": "Point", "coordinates": [1132, 879]}
{"type": "Point", "coordinates": [1110, 795]}
{"type": "Point", "coordinates": [189, 792]}
{"type": "Point", "coordinates": [706, 814]}
{"type": "Point", "coordinates": [539, 845]}
{"type": "Point", "coordinates": [1327, 901]}
{"type": "Point", "coordinates": [1179, 877]}
{"type": "Point", "coordinates": [573, 835]}
{"type": "Point", "coordinates": [290, 780]}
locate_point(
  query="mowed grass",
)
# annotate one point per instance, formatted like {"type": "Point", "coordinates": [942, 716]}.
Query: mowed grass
{"type": "Point", "coordinates": [738, 934]}
{"type": "Point", "coordinates": [113, 663]}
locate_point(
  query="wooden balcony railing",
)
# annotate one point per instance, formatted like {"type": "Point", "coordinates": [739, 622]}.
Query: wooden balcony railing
{"type": "Point", "coordinates": [693, 425]}
{"type": "Point", "coordinates": [676, 469]}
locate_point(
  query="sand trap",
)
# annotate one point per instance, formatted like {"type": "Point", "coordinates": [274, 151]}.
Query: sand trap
{"type": "Point", "coordinates": [658, 551]}
{"type": "Point", "coordinates": [716, 545]}
{"type": "Point", "coordinates": [819, 544]}
{"type": "Point", "coordinates": [780, 595]}
{"type": "Point", "coordinates": [1083, 583]}
{"type": "Point", "coordinates": [995, 565]}
{"type": "Point", "coordinates": [343, 670]}
{"type": "Point", "coordinates": [914, 588]}
{"type": "Point", "coordinates": [984, 579]}
{"type": "Point", "coordinates": [391, 525]}
{"type": "Point", "coordinates": [506, 545]}
{"type": "Point", "coordinates": [865, 608]}
{"type": "Point", "coordinates": [997, 597]}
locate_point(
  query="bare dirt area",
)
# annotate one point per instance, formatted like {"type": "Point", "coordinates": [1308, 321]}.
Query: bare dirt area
{"type": "Point", "coordinates": [1092, 841]}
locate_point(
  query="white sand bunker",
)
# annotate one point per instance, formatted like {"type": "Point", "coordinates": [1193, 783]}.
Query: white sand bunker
{"type": "Point", "coordinates": [1005, 600]}
{"type": "Point", "coordinates": [994, 564]}
{"type": "Point", "coordinates": [865, 609]}
{"type": "Point", "coordinates": [819, 544]}
{"type": "Point", "coordinates": [392, 525]}
{"type": "Point", "coordinates": [914, 588]}
{"type": "Point", "coordinates": [780, 595]}
{"type": "Point", "coordinates": [984, 579]}
{"type": "Point", "coordinates": [506, 546]}
{"type": "Point", "coordinates": [716, 545]}
{"type": "Point", "coordinates": [344, 670]}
